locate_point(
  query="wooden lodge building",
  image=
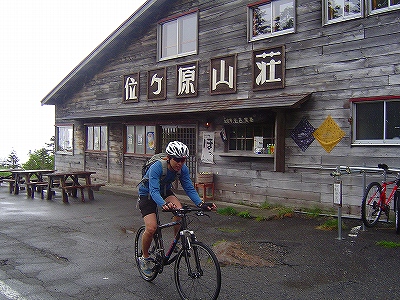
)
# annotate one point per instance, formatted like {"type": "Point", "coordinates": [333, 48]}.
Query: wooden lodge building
{"type": "Point", "coordinates": [260, 91]}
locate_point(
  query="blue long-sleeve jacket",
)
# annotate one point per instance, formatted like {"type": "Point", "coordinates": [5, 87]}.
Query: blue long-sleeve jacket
{"type": "Point", "coordinates": [155, 184]}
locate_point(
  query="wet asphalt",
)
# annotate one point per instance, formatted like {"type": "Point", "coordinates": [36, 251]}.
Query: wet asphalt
{"type": "Point", "coordinates": [52, 250]}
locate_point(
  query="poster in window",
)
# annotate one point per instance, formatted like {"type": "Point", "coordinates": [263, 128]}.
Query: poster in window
{"type": "Point", "coordinates": [140, 140]}
{"type": "Point", "coordinates": [258, 144]}
{"type": "Point", "coordinates": [150, 140]}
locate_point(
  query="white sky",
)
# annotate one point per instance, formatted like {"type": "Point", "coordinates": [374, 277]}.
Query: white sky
{"type": "Point", "coordinates": [41, 42]}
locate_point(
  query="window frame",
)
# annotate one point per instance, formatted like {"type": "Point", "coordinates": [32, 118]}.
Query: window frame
{"type": "Point", "coordinates": [375, 142]}
{"type": "Point", "coordinates": [149, 129]}
{"type": "Point", "coordinates": [252, 6]}
{"type": "Point", "coordinates": [179, 18]}
{"type": "Point", "coordinates": [102, 130]}
{"type": "Point", "coordinates": [325, 13]}
{"type": "Point", "coordinates": [69, 140]}
{"type": "Point", "coordinates": [390, 7]}
{"type": "Point", "coordinates": [250, 134]}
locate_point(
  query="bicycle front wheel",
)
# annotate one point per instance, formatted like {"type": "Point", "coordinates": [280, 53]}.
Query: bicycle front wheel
{"type": "Point", "coordinates": [197, 273]}
{"type": "Point", "coordinates": [370, 208]}
{"type": "Point", "coordinates": [148, 276]}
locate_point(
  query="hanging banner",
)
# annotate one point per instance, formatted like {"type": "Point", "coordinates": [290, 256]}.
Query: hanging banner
{"type": "Point", "coordinates": [329, 134]}
{"type": "Point", "coordinates": [302, 134]}
{"type": "Point", "coordinates": [207, 154]}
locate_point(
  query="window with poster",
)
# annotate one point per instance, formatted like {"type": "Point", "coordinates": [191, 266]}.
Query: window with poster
{"type": "Point", "coordinates": [96, 138]}
{"type": "Point", "coordinates": [253, 134]}
{"type": "Point", "coordinates": [140, 139]}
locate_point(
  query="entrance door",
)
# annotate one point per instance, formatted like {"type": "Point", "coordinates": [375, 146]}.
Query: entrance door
{"type": "Point", "coordinates": [185, 134]}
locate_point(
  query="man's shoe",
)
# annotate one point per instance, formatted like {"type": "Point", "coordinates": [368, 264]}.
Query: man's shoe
{"type": "Point", "coordinates": [146, 264]}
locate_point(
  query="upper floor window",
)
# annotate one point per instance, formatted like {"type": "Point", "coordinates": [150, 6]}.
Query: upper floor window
{"type": "Point", "coordinates": [383, 5]}
{"type": "Point", "coordinates": [376, 121]}
{"type": "Point", "coordinates": [342, 10]}
{"type": "Point", "coordinates": [96, 138]}
{"type": "Point", "coordinates": [64, 139]}
{"type": "Point", "coordinates": [178, 36]}
{"type": "Point", "coordinates": [270, 18]}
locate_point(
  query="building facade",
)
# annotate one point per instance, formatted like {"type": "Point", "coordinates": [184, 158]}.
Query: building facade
{"type": "Point", "coordinates": [262, 92]}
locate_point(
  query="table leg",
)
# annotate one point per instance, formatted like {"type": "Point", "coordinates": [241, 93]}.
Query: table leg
{"type": "Point", "coordinates": [49, 191]}
{"type": "Point", "coordinates": [89, 189]}
{"type": "Point", "coordinates": [16, 185]}
{"type": "Point", "coordinates": [29, 188]}
{"type": "Point", "coordinates": [63, 191]}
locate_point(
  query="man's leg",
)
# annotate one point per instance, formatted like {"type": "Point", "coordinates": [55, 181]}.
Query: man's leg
{"type": "Point", "coordinates": [178, 205]}
{"type": "Point", "coordinates": [150, 221]}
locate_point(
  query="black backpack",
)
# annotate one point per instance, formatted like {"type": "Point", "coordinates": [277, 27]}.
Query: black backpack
{"type": "Point", "coordinates": [156, 157]}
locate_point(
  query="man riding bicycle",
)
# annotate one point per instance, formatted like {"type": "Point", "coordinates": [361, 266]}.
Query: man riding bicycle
{"type": "Point", "coordinates": [156, 190]}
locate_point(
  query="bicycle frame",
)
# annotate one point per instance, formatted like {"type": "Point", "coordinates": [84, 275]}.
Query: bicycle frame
{"type": "Point", "coordinates": [386, 201]}
{"type": "Point", "coordinates": [185, 235]}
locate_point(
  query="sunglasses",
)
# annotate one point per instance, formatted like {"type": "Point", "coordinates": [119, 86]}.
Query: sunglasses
{"type": "Point", "coordinates": [179, 159]}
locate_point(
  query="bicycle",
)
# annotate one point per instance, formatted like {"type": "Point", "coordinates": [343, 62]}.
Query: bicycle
{"type": "Point", "coordinates": [375, 202]}
{"type": "Point", "coordinates": [197, 272]}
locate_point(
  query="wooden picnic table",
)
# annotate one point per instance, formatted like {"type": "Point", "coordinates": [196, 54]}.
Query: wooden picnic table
{"type": "Point", "coordinates": [26, 177]}
{"type": "Point", "coordinates": [69, 183]}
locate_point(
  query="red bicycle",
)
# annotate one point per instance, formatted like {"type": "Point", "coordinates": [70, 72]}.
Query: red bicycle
{"type": "Point", "coordinates": [375, 202]}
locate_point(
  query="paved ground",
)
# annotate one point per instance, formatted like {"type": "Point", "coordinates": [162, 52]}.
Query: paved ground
{"type": "Point", "coordinates": [51, 250]}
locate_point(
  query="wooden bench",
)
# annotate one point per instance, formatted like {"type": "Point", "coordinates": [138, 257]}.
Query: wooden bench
{"type": "Point", "coordinates": [90, 187]}
{"type": "Point", "coordinates": [38, 186]}
{"type": "Point", "coordinates": [11, 184]}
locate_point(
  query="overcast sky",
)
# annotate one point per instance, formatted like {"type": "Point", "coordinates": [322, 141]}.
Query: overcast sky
{"type": "Point", "coordinates": [41, 42]}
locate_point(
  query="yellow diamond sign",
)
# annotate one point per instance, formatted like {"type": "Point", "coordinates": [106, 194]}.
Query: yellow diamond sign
{"type": "Point", "coordinates": [329, 134]}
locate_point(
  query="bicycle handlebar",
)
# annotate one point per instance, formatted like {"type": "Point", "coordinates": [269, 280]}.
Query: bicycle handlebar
{"type": "Point", "coordinates": [186, 209]}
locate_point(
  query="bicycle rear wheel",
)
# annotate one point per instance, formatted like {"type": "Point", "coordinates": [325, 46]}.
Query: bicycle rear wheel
{"type": "Point", "coordinates": [138, 254]}
{"type": "Point", "coordinates": [197, 273]}
{"type": "Point", "coordinates": [397, 211]}
{"type": "Point", "coordinates": [370, 207]}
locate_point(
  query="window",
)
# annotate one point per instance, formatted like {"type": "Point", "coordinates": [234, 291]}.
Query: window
{"type": "Point", "coordinates": [96, 138]}
{"type": "Point", "coordinates": [342, 10]}
{"type": "Point", "coordinates": [140, 139]}
{"type": "Point", "coordinates": [383, 5]}
{"type": "Point", "coordinates": [271, 18]}
{"type": "Point", "coordinates": [64, 137]}
{"type": "Point", "coordinates": [376, 122]}
{"type": "Point", "coordinates": [251, 137]}
{"type": "Point", "coordinates": [178, 36]}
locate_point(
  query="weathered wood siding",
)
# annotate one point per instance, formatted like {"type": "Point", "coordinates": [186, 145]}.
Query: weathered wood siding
{"type": "Point", "coordinates": [357, 58]}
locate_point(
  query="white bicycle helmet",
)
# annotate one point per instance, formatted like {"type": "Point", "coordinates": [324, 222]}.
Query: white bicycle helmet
{"type": "Point", "coordinates": [177, 149]}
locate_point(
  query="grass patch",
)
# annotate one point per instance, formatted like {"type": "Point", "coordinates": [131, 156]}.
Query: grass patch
{"type": "Point", "coordinates": [245, 215]}
{"type": "Point", "coordinates": [388, 244]}
{"type": "Point", "coordinates": [260, 218]}
{"type": "Point", "coordinates": [284, 212]}
{"type": "Point", "coordinates": [230, 211]}
{"type": "Point", "coordinates": [330, 224]}
{"type": "Point", "coordinates": [266, 205]}
{"type": "Point", "coordinates": [227, 211]}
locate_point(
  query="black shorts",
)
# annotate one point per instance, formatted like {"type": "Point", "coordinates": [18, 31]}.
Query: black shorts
{"type": "Point", "coordinates": [148, 206]}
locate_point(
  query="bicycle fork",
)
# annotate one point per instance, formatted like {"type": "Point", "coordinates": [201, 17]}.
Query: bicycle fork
{"type": "Point", "coordinates": [189, 237]}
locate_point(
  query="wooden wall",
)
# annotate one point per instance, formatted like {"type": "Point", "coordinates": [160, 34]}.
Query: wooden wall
{"type": "Point", "coordinates": [357, 58]}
